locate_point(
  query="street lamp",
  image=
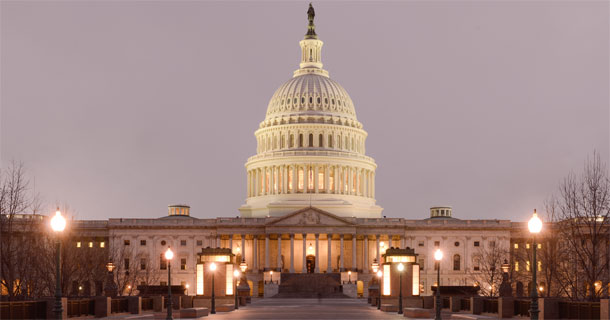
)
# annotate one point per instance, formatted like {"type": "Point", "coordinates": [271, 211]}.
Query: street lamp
{"type": "Point", "coordinates": [379, 275]}
{"type": "Point", "coordinates": [187, 289]}
{"type": "Point", "coordinates": [58, 224]}
{"type": "Point", "coordinates": [534, 226]}
{"type": "Point", "coordinates": [349, 276]}
{"type": "Point", "coordinates": [375, 265]}
{"type": "Point", "coordinates": [505, 288]}
{"type": "Point", "coordinates": [271, 274]}
{"type": "Point", "coordinates": [235, 275]}
{"type": "Point", "coordinates": [401, 268]}
{"type": "Point", "coordinates": [213, 268]}
{"type": "Point", "coordinates": [438, 256]}
{"type": "Point", "coordinates": [169, 255]}
{"type": "Point", "coordinates": [110, 286]}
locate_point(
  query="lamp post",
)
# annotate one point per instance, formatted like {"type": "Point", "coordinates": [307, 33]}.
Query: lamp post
{"type": "Point", "coordinates": [438, 256]}
{"type": "Point", "coordinates": [58, 224]}
{"type": "Point", "coordinates": [235, 275]}
{"type": "Point", "coordinates": [169, 255]}
{"type": "Point", "coordinates": [271, 274]}
{"type": "Point", "coordinates": [379, 275]}
{"type": "Point", "coordinates": [534, 225]}
{"type": "Point", "coordinates": [401, 268]}
{"type": "Point", "coordinates": [349, 276]}
{"type": "Point", "coordinates": [375, 267]}
{"type": "Point", "coordinates": [110, 286]}
{"type": "Point", "coordinates": [213, 268]}
{"type": "Point", "coordinates": [505, 288]}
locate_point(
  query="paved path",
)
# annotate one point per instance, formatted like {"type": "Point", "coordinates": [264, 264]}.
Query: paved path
{"type": "Point", "coordinates": [293, 309]}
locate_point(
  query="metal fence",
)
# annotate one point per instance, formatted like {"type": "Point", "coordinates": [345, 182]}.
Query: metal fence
{"type": "Point", "coordinates": [446, 302]}
{"type": "Point", "coordinates": [578, 310]}
{"type": "Point", "coordinates": [465, 304]}
{"type": "Point", "coordinates": [490, 305]}
{"type": "Point", "coordinates": [147, 304]}
{"type": "Point", "coordinates": [522, 307]}
{"type": "Point", "coordinates": [81, 307]}
{"type": "Point", "coordinates": [23, 310]}
{"type": "Point", "coordinates": [119, 305]}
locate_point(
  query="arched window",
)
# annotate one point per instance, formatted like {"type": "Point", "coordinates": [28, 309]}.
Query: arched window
{"type": "Point", "coordinates": [282, 141]}
{"type": "Point", "coordinates": [300, 140]}
{"type": "Point", "coordinates": [330, 141]}
{"type": "Point", "coordinates": [310, 140]}
{"type": "Point", "coordinates": [346, 143]}
{"type": "Point", "coordinates": [339, 142]}
{"type": "Point", "coordinates": [310, 99]}
{"type": "Point", "coordinates": [321, 141]}
{"type": "Point", "coordinates": [291, 142]}
{"type": "Point", "coordinates": [456, 262]}
{"type": "Point", "coordinates": [268, 143]}
{"type": "Point", "coordinates": [274, 142]}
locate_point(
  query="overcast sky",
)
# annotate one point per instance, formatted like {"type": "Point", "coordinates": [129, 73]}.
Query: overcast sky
{"type": "Point", "coordinates": [121, 108]}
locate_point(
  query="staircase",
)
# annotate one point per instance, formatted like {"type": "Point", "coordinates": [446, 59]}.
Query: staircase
{"type": "Point", "coordinates": [310, 285]}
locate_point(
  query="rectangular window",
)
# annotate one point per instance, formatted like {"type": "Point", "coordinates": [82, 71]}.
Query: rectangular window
{"type": "Point", "coordinates": [321, 179]}
{"type": "Point", "coordinates": [162, 263]}
{"type": "Point", "coordinates": [539, 265]}
{"type": "Point", "coordinates": [163, 283]}
{"type": "Point", "coordinates": [476, 243]}
{"type": "Point", "coordinates": [516, 246]}
{"type": "Point", "coordinates": [290, 175]}
{"type": "Point", "coordinates": [331, 179]}
{"type": "Point", "coordinates": [229, 283]}
{"type": "Point", "coordinates": [102, 244]}
{"type": "Point", "coordinates": [527, 245]}
{"type": "Point", "coordinates": [183, 264]}
{"type": "Point", "coordinates": [421, 244]}
{"type": "Point", "coordinates": [301, 181]}
{"type": "Point", "coordinates": [126, 242]}
{"type": "Point", "coordinates": [142, 264]}
{"type": "Point", "coordinates": [386, 280]}
{"type": "Point", "coordinates": [437, 244]}
{"type": "Point", "coordinates": [527, 266]}
{"type": "Point", "coordinates": [78, 244]}
{"type": "Point", "coordinates": [436, 265]}
{"type": "Point", "coordinates": [90, 244]}
{"type": "Point", "coordinates": [142, 242]}
{"type": "Point", "coordinates": [415, 282]}
{"type": "Point", "coordinates": [517, 266]}
{"type": "Point", "coordinates": [126, 264]}
{"type": "Point", "coordinates": [310, 181]}
{"type": "Point", "coordinates": [540, 246]}
{"type": "Point", "coordinates": [422, 264]}
{"type": "Point", "coordinates": [199, 242]}
{"type": "Point", "coordinates": [183, 243]}
{"type": "Point", "coordinates": [199, 279]}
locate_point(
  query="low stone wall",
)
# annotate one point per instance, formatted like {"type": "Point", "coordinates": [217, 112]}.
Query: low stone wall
{"type": "Point", "coordinates": [206, 302]}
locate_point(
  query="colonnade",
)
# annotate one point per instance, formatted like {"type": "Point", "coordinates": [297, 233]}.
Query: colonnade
{"type": "Point", "coordinates": [311, 178]}
{"type": "Point", "coordinates": [358, 257]}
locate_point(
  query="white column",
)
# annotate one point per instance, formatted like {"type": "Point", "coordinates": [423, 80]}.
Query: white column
{"type": "Point", "coordinates": [390, 241]}
{"type": "Point", "coordinates": [285, 178]}
{"type": "Point", "coordinates": [365, 251]}
{"type": "Point", "coordinates": [243, 248]}
{"type": "Point", "coordinates": [402, 241]}
{"type": "Point", "coordinates": [279, 252]}
{"type": "Point", "coordinates": [378, 255]}
{"type": "Point", "coordinates": [264, 181]}
{"type": "Point", "coordinates": [305, 178]}
{"type": "Point", "coordinates": [315, 179]}
{"type": "Point", "coordinates": [231, 242]}
{"type": "Point", "coordinates": [292, 253]}
{"type": "Point", "coordinates": [266, 252]}
{"type": "Point", "coordinates": [326, 179]}
{"type": "Point", "coordinates": [373, 184]}
{"type": "Point", "coordinates": [350, 180]}
{"type": "Point", "coordinates": [304, 267]}
{"type": "Point", "coordinates": [255, 253]}
{"type": "Point", "coordinates": [272, 180]}
{"type": "Point", "coordinates": [341, 266]}
{"type": "Point", "coordinates": [354, 253]}
{"type": "Point", "coordinates": [317, 254]}
{"type": "Point", "coordinates": [329, 240]}
{"type": "Point", "coordinates": [217, 241]}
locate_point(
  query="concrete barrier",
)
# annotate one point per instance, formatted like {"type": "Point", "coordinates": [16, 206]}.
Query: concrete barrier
{"type": "Point", "coordinates": [158, 303]}
{"type": "Point", "coordinates": [476, 305]}
{"type": "Point", "coordinates": [413, 302]}
{"type": "Point", "coordinates": [604, 308]}
{"type": "Point", "coordinates": [549, 308]}
{"type": "Point", "coordinates": [386, 307]}
{"type": "Point", "coordinates": [227, 307]}
{"type": "Point", "coordinates": [271, 289]}
{"type": "Point", "coordinates": [428, 302]}
{"type": "Point", "coordinates": [418, 313]}
{"type": "Point", "coordinates": [51, 303]}
{"type": "Point", "coordinates": [506, 307]}
{"type": "Point", "coordinates": [194, 312]}
{"type": "Point", "coordinates": [350, 290]}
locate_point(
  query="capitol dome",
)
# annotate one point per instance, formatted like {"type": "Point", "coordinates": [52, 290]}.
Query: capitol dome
{"type": "Point", "coordinates": [311, 97]}
{"type": "Point", "coordinates": [310, 147]}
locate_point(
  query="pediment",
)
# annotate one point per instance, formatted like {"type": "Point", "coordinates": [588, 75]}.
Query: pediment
{"type": "Point", "coordinates": [310, 217]}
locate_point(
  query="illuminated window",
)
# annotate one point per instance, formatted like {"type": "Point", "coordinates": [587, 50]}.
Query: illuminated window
{"type": "Point", "coordinates": [310, 179]}
{"type": "Point", "coordinates": [527, 265]}
{"type": "Point", "coordinates": [516, 246]}
{"type": "Point", "coordinates": [527, 245]}
{"type": "Point", "coordinates": [415, 282]}
{"type": "Point", "coordinates": [183, 264]}
{"type": "Point", "coordinates": [102, 244]}
{"type": "Point", "coordinates": [229, 289]}
{"type": "Point", "coordinates": [516, 265]}
{"type": "Point", "coordinates": [200, 279]}
{"type": "Point", "coordinates": [90, 244]}
{"type": "Point", "coordinates": [78, 244]}
{"type": "Point", "coordinates": [300, 181]}
{"type": "Point", "coordinates": [386, 280]}
{"type": "Point", "coordinates": [290, 175]}
{"type": "Point", "coordinates": [321, 179]}
{"type": "Point", "coordinates": [539, 265]}
{"type": "Point", "coordinates": [331, 179]}
{"type": "Point", "coordinates": [540, 246]}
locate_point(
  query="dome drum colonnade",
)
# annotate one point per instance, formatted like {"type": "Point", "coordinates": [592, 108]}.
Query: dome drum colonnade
{"type": "Point", "coordinates": [311, 147]}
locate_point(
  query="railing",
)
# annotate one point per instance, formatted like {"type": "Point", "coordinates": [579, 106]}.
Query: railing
{"type": "Point", "coordinates": [465, 304]}
{"type": "Point", "coordinates": [490, 305]}
{"type": "Point", "coordinates": [119, 305]}
{"type": "Point", "coordinates": [23, 310]}
{"type": "Point", "coordinates": [147, 304]}
{"type": "Point", "coordinates": [522, 307]}
{"type": "Point", "coordinates": [578, 310]}
{"type": "Point", "coordinates": [81, 307]}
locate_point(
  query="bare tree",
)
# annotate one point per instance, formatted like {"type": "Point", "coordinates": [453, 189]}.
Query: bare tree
{"type": "Point", "coordinates": [584, 213]}
{"type": "Point", "coordinates": [489, 259]}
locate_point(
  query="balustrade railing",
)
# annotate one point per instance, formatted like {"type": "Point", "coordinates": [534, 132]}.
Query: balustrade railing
{"type": "Point", "coordinates": [490, 305]}
{"type": "Point", "coordinates": [81, 307]}
{"type": "Point", "coordinates": [522, 307]}
{"type": "Point", "coordinates": [23, 310]}
{"type": "Point", "coordinates": [119, 305]}
{"type": "Point", "coordinates": [578, 310]}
